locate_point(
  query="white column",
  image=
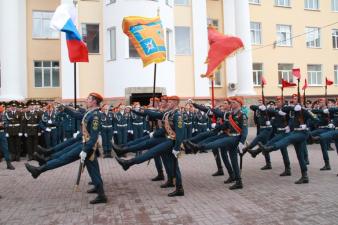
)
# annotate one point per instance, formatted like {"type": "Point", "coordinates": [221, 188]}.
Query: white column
{"type": "Point", "coordinates": [244, 59]}
{"type": "Point", "coordinates": [230, 29]}
{"type": "Point", "coordinates": [200, 47]}
{"type": "Point", "coordinates": [13, 50]}
{"type": "Point", "coordinates": [67, 68]}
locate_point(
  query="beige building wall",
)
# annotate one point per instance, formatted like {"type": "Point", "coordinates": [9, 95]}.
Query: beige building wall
{"type": "Point", "coordinates": [40, 49]}
{"type": "Point", "coordinates": [91, 74]}
{"type": "Point", "coordinates": [184, 64]}
{"type": "Point", "coordinates": [299, 55]}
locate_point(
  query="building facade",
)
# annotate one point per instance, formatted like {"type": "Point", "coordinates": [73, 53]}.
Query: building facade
{"type": "Point", "coordinates": [276, 40]}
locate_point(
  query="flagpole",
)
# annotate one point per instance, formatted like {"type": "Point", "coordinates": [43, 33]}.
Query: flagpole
{"type": "Point", "coordinates": [282, 94]}
{"type": "Point", "coordinates": [75, 103]}
{"type": "Point", "coordinates": [325, 92]}
{"type": "Point", "coordinates": [298, 92]}
{"type": "Point", "coordinates": [213, 99]}
{"type": "Point", "coordinates": [263, 97]}
{"type": "Point", "coordinates": [154, 85]}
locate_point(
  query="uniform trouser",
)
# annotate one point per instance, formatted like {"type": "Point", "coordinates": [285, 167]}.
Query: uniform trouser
{"type": "Point", "coordinates": [164, 149]}
{"type": "Point", "coordinates": [202, 136]}
{"type": "Point", "coordinates": [68, 134]}
{"type": "Point", "coordinates": [263, 136]}
{"type": "Point", "coordinates": [93, 169]}
{"type": "Point", "coordinates": [14, 144]}
{"type": "Point", "coordinates": [324, 144]}
{"type": "Point", "coordinates": [61, 134]}
{"type": "Point", "coordinates": [32, 144]}
{"type": "Point", "coordinates": [122, 135]}
{"type": "Point", "coordinates": [201, 128]}
{"type": "Point", "coordinates": [63, 145]}
{"type": "Point", "coordinates": [4, 146]}
{"type": "Point", "coordinates": [137, 131]}
{"type": "Point", "coordinates": [278, 136]}
{"type": "Point", "coordinates": [134, 142]}
{"type": "Point", "coordinates": [69, 157]}
{"type": "Point", "coordinates": [51, 138]}
{"type": "Point", "coordinates": [158, 164]}
{"type": "Point", "coordinates": [298, 139]}
{"type": "Point", "coordinates": [64, 150]}
{"type": "Point", "coordinates": [329, 135]}
{"type": "Point", "coordinates": [107, 135]}
{"type": "Point", "coordinates": [146, 144]}
{"type": "Point", "coordinates": [188, 131]}
{"type": "Point", "coordinates": [225, 158]}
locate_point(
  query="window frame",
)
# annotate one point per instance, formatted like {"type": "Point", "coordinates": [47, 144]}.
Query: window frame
{"type": "Point", "coordinates": [258, 74]}
{"type": "Point", "coordinates": [218, 75]}
{"type": "Point", "coordinates": [334, 5]}
{"type": "Point", "coordinates": [85, 41]}
{"type": "Point", "coordinates": [255, 2]}
{"type": "Point", "coordinates": [287, 38]}
{"type": "Point", "coordinates": [41, 37]}
{"type": "Point", "coordinates": [334, 36]}
{"type": "Point", "coordinates": [308, 2]}
{"type": "Point", "coordinates": [307, 31]}
{"type": "Point", "coordinates": [310, 73]}
{"type": "Point", "coordinates": [284, 71]}
{"type": "Point", "coordinates": [335, 74]}
{"type": "Point", "coordinates": [190, 42]}
{"type": "Point", "coordinates": [187, 4]}
{"type": "Point", "coordinates": [256, 32]}
{"type": "Point", "coordinates": [42, 67]}
{"type": "Point", "coordinates": [110, 58]}
{"type": "Point", "coordinates": [169, 33]}
{"type": "Point", "coordinates": [278, 4]}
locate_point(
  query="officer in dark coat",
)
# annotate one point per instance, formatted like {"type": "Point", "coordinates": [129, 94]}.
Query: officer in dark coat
{"type": "Point", "coordinates": [30, 128]}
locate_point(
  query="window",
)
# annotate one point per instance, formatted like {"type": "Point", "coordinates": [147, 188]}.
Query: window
{"type": "Point", "coordinates": [181, 2]}
{"type": "Point", "coordinates": [217, 79]}
{"type": "Point", "coordinates": [314, 73]}
{"type": "Point", "coordinates": [182, 39]}
{"type": "Point", "coordinates": [335, 38]}
{"type": "Point", "coordinates": [312, 37]}
{"type": "Point", "coordinates": [255, 1]}
{"type": "Point", "coordinates": [284, 35]}
{"type": "Point", "coordinates": [169, 43]}
{"type": "Point", "coordinates": [334, 5]}
{"type": "Point", "coordinates": [46, 74]}
{"type": "Point", "coordinates": [91, 36]}
{"type": "Point", "coordinates": [41, 22]}
{"type": "Point", "coordinates": [312, 4]}
{"type": "Point", "coordinates": [285, 73]}
{"type": "Point", "coordinates": [132, 51]}
{"type": "Point", "coordinates": [336, 74]}
{"type": "Point", "coordinates": [110, 2]}
{"type": "Point", "coordinates": [284, 3]}
{"type": "Point", "coordinates": [112, 43]}
{"type": "Point", "coordinates": [257, 70]}
{"type": "Point", "coordinates": [255, 30]}
{"type": "Point", "coordinates": [213, 22]}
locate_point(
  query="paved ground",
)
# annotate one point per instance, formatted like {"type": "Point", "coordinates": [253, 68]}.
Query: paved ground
{"type": "Point", "coordinates": [133, 199]}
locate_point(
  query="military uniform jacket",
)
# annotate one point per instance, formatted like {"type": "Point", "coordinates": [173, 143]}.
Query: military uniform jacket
{"type": "Point", "coordinates": [241, 121]}
{"type": "Point", "coordinates": [122, 121]}
{"type": "Point", "coordinates": [48, 120]}
{"type": "Point", "coordinates": [262, 118]}
{"type": "Point", "coordinates": [106, 120]}
{"type": "Point", "coordinates": [201, 120]}
{"type": "Point", "coordinates": [3, 122]}
{"type": "Point", "coordinates": [279, 119]}
{"type": "Point", "coordinates": [188, 118]}
{"type": "Point", "coordinates": [323, 118]}
{"type": "Point", "coordinates": [13, 119]}
{"type": "Point", "coordinates": [91, 121]}
{"type": "Point", "coordinates": [138, 120]}
{"type": "Point", "coordinates": [31, 121]}
{"type": "Point", "coordinates": [298, 118]}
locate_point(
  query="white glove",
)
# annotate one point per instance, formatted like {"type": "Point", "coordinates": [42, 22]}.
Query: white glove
{"type": "Point", "coordinates": [330, 125]}
{"type": "Point", "coordinates": [303, 126]}
{"type": "Point", "coordinates": [287, 129]}
{"type": "Point", "coordinates": [74, 135]}
{"type": "Point", "coordinates": [208, 129]}
{"type": "Point", "coordinates": [213, 125]}
{"type": "Point", "coordinates": [268, 123]}
{"type": "Point", "coordinates": [326, 111]}
{"type": "Point", "coordinates": [281, 113]}
{"type": "Point", "coordinates": [39, 134]}
{"type": "Point", "coordinates": [240, 147]}
{"type": "Point", "coordinates": [20, 134]}
{"type": "Point", "coordinates": [26, 135]}
{"type": "Point", "coordinates": [151, 135]}
{"type": "Point", "coordinates": [175, 152]}
{"type": "Point", "coordinates": [145, 131]}
{"type": "Point", "coordinates": [65, 139]}
{"type": "Point", "coordinates": [48, 129]}
{"type": "Point", "coordinates": [193, 130]}
{"type": "Point", "coordinates": [262, 107]}
{"type": "Point", "coordinates": [83, 156]}
{"type": "Point", "coordinates": [7, 135]}
{"type": "Point", "coordinates": [115, 132]}
{"type": "Point", "coordinates": [130, 131]}
{"type": "Point", "coordinates": [298, 108]}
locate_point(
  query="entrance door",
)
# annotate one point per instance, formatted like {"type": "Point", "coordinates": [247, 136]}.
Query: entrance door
{"type": "Point", "coordinates": [143, 98]}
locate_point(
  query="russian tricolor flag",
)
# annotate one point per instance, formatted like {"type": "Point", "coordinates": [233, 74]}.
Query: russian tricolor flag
{"type": "Point", "coordinates": [63, 20]}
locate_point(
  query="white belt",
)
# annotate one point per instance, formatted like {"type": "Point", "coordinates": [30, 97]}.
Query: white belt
{"type": "Point", "coordinates": [321, 127]}
{"type": "Point", "coordinates": [32, 125]}
{"type": "Point", "coordinates": [265, 126]}
{"type": "Point", "coordinates": [299, 129]}
{"type": "Point", "coordinates": [188, 123]}
{"type": "Point", "coordinates": [234, 135]}
{"type": "Point", "coordinates": [202, 123]}
{"type": "Point", "coordinates": [2, 130]}
{"type": "Point", "coordinates": [107, 126]}
{"type": "Point", "coordinates": [122, 125]}
{"type": "Point", "coordinates": [13, 125]}
{"type": "Point", "coordinates": [141, 123]}
{"type": "Point", "coordinates": [52, 128]}
{"type": "Point", "coordinates": [281, 129]}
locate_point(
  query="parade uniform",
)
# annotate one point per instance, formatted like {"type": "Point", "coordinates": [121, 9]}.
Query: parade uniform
{"type": "Point", "coordinates": [188, 118]}
{"type": "Point", "coordinates": [31, 128]}
{"type": "Point", "coordinates": [121, 127]}
{"type": "Point", "coordinates": [138, 125]}
{"type": "Point", "coordinates": [60, 116]}
{"type": "Point", "coordinates": [48, 125]}
{"type": "Point", "coordinates": [107, 132]}
{"type": "Point", "coordinates": [68, 125]}
{"type": "Point", "coordinates": [3, 141]}
{"type": "Point", "coordinates": [14, 131]}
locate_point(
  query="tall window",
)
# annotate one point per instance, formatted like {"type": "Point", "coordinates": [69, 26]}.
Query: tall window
{"type": "Point", "coordinates": [46, 74]}
{"type": "Point", "coordinates": [255, 30]}
{"type": "Point", "coordinates": [112, 43]}
{"type": "Point", "coordinates": [311, 4]}
{"type": "Point", "coordinates": [169, 42]}
{"type": "Point", "coordinates": [336, 74]}
{"type": "Point", "coordinates": [41, 23]}
{"type": "Point", "coordinates": [314, 73]}
{"type": "Point", "coordinates": [213, 22]}
{"type": "Point", "coordinates": [181, 2]}
{"type": "Point", "coordinates": [284, 35]}
{"type": "Point", "coordinates": [284, 3]}
{"type": "Point", "coordinates": [132, 51]}
{"type": "Point", "coordinates": [335, 38]}
{"type": "Point", "coordinates": [255, 1]}
{"type": "Point", "coordinates": [91, 36]}
{"type": "Point", "coordinates": [182, 39]}
{"type": "Point", "coordinates": [334, 5]}
{"type": "Point", "coordinates": [217, 80]}
{"type": "Point", "coordinates": [257, 72]}
{"type": "Point", "coordinates": [312, 37]}
{"type": "Point", "coordinates": [285, 73]}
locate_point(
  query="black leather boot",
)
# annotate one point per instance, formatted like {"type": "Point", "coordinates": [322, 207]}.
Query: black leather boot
{"type": "Point", "coordinates": [35, 171]}
{"type": "Point", "coordinates": [219, 172]}
{"type": "Point", "coordinates": [44, 151]}
{"type": "Point", "coordinates": [237, 185]}
{"type": "Point", "coordinates": [267, 167]}
{"type": "Point", "coordinates": [100, 198]}
{"type": "Point", "coordinates": [159, 177]}
{"type": "Point", "coordinates": [304, 179]}
{"type": "Point", "coordinates": [264, 148]}
{"type": "Point", "coordinates": [254, 153]}
{"type": "Point", "coordinates": [9, 165]}
{"type": "Point", "coordinates": [327, 166]}
{"type": "Point", "coordinates": [231, 179]}
{"type": "Point", "coordinates": [41, 159]}
{"type": "Point", "coordinates": [179, 191]}
{"type": "Point", "coordinates": [194, 147]}
{"type": "Point", "coordinates": [168, 184]}
{"type": "Point", "coordinates": [287, 172]}
{"type": "Point", "coordinates": [125, 163]}
{"type": "Point", "coordinates": [92, 191]}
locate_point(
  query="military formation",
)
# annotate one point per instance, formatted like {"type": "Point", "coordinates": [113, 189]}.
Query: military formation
{"type": "Point", "coordinates": [58, 134]}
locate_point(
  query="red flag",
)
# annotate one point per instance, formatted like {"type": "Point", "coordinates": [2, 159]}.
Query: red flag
{"type": "Point", "coordinates": [286, 84]}
{"type": "Point", "coordinates": [296, 72]}
{"type": "Point", "coordinates": [263, 81]}
{"type": "Point", "coordinates": [305, 85]}
{"type": "Point", "coordinates": [221, 46]}
{"type": "Point", "coordinates": [328, 82]}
